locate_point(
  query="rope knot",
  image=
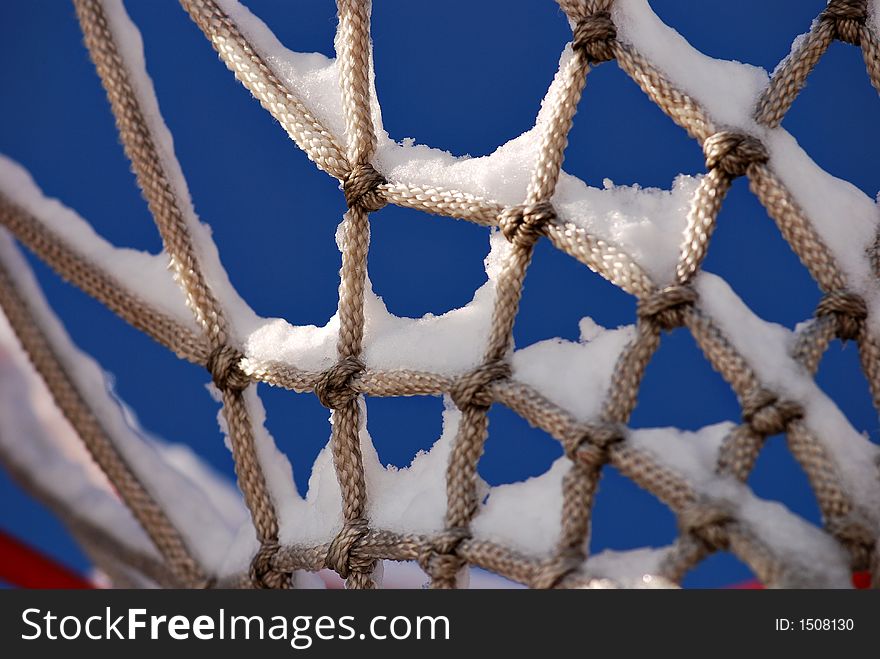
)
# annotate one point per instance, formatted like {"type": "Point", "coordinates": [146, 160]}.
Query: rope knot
{"type": "Point", "coordinates": [472, 389]}
{"type": "Point", "coordinates": [438, 558]}
{"type": "Point", "coordinates": [341, 556]}
{"type": "Point", "coordinates": [523, 225]}
{"type": "Point", "coordinates": [552, 571]}
{"type": "Point", "coordinates": [706, 521]}
{"type": "Point", "coordinates": [847, 17]}
{"type": "Point", "coordinates": [225, 372]}
{"type": "Point", "coordinates": [595, 36]}
{"type": "Point", "coordinates": [263, 573]}
{"type": "Point", "coordinates": [733, 152]}
{"type": "Point", "coordinates": [767, 414]}
{"type": "Point", "coordinates": [848, 309]}
{"type": "Point", "coordinates": [361, 188]}
{"type": "Point", "coordinates": [666, 307]}
{"type": "Point", "coordinates": [589, 443]}
{"type": "Point", "coordinates": [334, 389]}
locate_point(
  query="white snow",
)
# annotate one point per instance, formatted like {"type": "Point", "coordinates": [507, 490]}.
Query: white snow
{"type": "Point", "coordinates": [575, 376]}
{"type": "Point", "coordinates": [131, 50]}
{"type": "Point", "coordinates": [809, 551]}
{"type": "Point", "coordinates": [414, 499]}
{"type": "Point", "coordinates": [313, 76]}
{"type": "Point", "coordinates": [692, 454]}
{"type": "Point", "coordinates": [844, 217]}
{"type": "Point", "coordinates": [726, 89]}
{"type": "Point", "coordinates": [874, 15]}
{"type": "Point", "coordinates": [144, 273]}
{"type": "Point", "coordinates": [766, 347]}
{"type": "Point", "coordinates": [525, 516]}
{"type": "Point", "coordinates": [626, 565]}
{"type": "Point", "coordinates": [648, 223]}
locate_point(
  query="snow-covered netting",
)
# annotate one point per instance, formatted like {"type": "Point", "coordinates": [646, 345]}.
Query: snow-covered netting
{"type": "Point", "coordinates": [152, 514]}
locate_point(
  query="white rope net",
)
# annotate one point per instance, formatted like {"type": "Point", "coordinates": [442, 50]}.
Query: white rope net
{"type": "Point", "coordinates": [144, 520]}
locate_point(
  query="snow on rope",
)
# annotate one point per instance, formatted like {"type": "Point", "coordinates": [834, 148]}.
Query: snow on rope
{"type": "Point", "coordinates": [150, 516]}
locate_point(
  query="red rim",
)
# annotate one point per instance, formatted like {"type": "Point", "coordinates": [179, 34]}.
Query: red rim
{"type": "Point", "coordinates": [861, 580]}
{"type": "Point", "coordinates": [25, 567]}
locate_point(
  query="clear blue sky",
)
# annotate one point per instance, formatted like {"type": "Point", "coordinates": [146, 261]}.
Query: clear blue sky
{"type": "Point", "coordinates": [274, 216]}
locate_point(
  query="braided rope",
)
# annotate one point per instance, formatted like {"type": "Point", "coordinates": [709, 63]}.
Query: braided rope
{"type": "Point", "coordinates": [167, 208]}
{"type": "Point", "coordinates": [95, 437]}
{"type": "Point", "coordinates": [706, 524]}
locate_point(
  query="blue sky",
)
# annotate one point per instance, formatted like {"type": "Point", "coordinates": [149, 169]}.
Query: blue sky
{"type": "Point", "coordinates": [463, 76]}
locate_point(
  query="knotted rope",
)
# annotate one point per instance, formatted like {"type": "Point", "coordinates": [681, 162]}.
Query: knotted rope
{"type": "Point", "coordinates": [666, 307]}
{"type": "Point", "coordinates": [354, 550]}
{"type": "Point", "coordinates": [595, 35]}
{"type": "Point", "coordinates": [733, 153]}
{"type": "Point", "coordinates": [334, 389]}
{"type": "Point", "coordinates": [223, 365]}
{"type": "Point", "coordinates": [847, 18]}
{"type": "Point", "coordinates": [361, 188]}
{"type": "Point", "coordinates": [848, 310]}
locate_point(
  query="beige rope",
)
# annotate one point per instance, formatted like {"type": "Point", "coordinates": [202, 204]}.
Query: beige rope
{"type": "Point", "coordinates": [362, 196]}
{"type": "Point", "coordinates": [706, 525]}
{"type": "Point", "coordinates": [167, 210]}
{"type": "Point", "coordinates": [141, 149]}
{"type": "Point", "coordinates": [95, 437]}
{"type": "Point", "coordinates": [253, 72]}
{"type": "Point", "coordinates": [88, 276]}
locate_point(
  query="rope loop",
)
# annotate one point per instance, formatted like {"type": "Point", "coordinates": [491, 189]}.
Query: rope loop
{"type": "Point", "coordinates": [553, 570]}
{"type": "Point", "coordinates": [595, 36]}
{"type": "Point", "coordinates": [334, 389]}
{"type": "Point", "coordinates": [666, 307]}
{"type": "Point", "coordinates": [341, 556]}
{"type": "Point", "coordinates": [733, 153]}
{"type": "Point", "coordinates": [706, 521]}
{"type": "Point", "coordinates": [263, 573]}
{"type": "Point", "coordinates": [847, 17]}
{"type": "Point", "coordinates": [523, 225]}
{"type": "Point", "coordinates": [438, 557]}
{"type": "Point", "coordinates": [848, 309]}
{"type": "Point", "coordinates": [223, 364]}
{"type": "Point", "coordinates": [589, 443]}
{"type": "Point", "coordinates": [767, 414]}
{"type": "Point", "coordinates": [361, 188]}
{"type": "Point", "coordinates": [472, 389]}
